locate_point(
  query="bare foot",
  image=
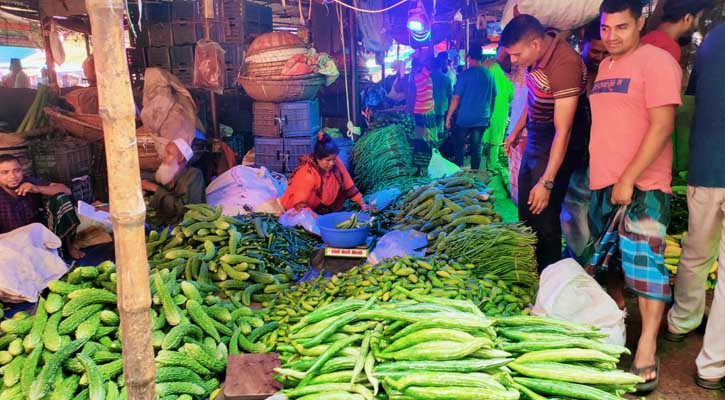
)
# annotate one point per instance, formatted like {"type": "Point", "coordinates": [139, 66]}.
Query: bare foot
{"type": "Point", "coordinates": [644, 359]}
{"type": "Point", "coordinates": [75, 253]}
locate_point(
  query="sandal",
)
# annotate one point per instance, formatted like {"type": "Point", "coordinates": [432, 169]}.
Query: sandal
{"type": "Point", "coordinates": [708, 384]}
{"type": "Point", "coordinates": [650, 385]}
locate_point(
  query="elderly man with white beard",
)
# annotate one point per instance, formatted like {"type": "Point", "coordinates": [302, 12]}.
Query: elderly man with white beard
{"type": "Point", "coordinates": [177, 184]}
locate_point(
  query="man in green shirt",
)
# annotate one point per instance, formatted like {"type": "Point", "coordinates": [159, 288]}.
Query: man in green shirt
{"type": "Point", "coordinates": [494, 135]}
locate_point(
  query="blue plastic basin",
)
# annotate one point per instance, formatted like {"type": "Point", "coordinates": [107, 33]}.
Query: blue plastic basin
{"type": "Point", "coordinates": [342, 238]}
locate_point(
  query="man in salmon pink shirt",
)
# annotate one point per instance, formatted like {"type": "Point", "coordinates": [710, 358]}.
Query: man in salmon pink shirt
{"type": "Point", "coordinates": [633, 104]}
{"type": "Point", "coordinates": [680, 19]}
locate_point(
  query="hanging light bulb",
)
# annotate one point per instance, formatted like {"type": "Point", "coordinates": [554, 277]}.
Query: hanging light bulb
{"type": "Point", "coordinates": [418, 23]}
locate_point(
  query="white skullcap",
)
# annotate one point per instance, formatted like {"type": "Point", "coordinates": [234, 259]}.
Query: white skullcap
{"type": "Point", "coordinates": [184, 148]}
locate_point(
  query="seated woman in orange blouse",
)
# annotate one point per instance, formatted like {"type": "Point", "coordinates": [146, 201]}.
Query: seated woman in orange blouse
{"type": "Point", "coordinates": [321, 182]}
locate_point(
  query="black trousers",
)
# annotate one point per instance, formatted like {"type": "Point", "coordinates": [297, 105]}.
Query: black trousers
{"type": "Point", "coordinates": [546, 225]}
{"type": "Point", "coordinates": [459, 142]}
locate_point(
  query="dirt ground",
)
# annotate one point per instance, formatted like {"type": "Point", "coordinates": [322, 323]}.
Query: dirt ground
{"type": "Point", "coordinates": [677, 360]}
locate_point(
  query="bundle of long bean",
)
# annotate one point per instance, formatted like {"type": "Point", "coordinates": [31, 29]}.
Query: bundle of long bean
{"type": "Point", "coordinates": [381, 156]}
{"type": "Point", "coordinates": [506, 250]}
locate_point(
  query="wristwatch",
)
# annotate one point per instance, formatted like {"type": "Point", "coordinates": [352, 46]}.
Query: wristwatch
{"type": "Point", "coordinates": [548, 185]}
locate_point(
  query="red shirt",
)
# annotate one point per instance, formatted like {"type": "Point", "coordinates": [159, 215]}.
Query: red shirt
{"type": "Point", "coordinates": [316, 188]}
{"type": "Point", "coordinates": [661, 40]}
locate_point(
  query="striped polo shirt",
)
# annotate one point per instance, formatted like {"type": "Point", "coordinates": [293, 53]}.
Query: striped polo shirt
{"type": "Point", "coordinates": [559, 74]}
{"type": "Point", "coordinates": [423, 93]}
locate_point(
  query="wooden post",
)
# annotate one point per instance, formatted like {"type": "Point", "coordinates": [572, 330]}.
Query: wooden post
{"type": "Point", "coordinates": [49, 61]}
{"type": "Point", "coordinates": [208, 14]}
{"type": "Point", "coordinates": [87, 41]}
{"type": "Point", "coordinates": [116, 109]}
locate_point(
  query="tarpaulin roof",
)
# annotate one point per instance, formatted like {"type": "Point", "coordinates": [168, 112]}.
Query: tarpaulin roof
{"type": "Point", "coordinates": [19, 32]}
{"type": "Point", "coordinates": [57, 8]}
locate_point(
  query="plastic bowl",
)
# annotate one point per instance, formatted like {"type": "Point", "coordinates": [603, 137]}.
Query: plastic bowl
{"type": "Point", "coordinates": [342, 238]}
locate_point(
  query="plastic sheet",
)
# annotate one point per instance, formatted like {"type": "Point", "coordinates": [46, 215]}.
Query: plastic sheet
{"type": "Point", "coordinates": [28, 261]}
{"type": "Point", "coordinates": [209, 66]}
{"type": "Point", "coordinates": [399, 244]}
{"type": "Point", "coordinates": [243, 190]}
{"type": "Point", "coordinates": [568, 293]}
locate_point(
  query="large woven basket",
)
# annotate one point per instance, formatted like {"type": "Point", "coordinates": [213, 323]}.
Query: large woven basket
{"type": "Point", "coordinates": [83, 126]}
{"type": "Point", "coordinates": [274, 41]}
{"type": "Point", "coordinates": [271, 69]}
{"type": "Point", "coordinates": [274, 55]}
{"type": "Point", "coordinates": [282, 89]}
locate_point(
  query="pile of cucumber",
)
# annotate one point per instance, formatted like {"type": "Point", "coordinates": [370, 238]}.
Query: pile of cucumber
{"type": "Point", "coordinates": [71, 349]}
{"type": "Point", "coordinates": [441, 349]}
{"type": "Point", "coordinates": [351, 223]}
{"type": "Point", "coordinates": [446, 206]}
{"type": "Point", "coordinates": [249, 258]}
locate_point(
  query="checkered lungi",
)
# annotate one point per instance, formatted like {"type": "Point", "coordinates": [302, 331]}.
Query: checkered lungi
{"type": "Point", "coordinates": [426, 136]}
{"type": "Point", "coordinates": [637, 233]}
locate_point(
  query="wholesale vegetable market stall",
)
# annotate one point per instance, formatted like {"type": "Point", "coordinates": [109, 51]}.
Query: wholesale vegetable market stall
{"type": "Point", "coordinates": [451, 323]}
{"type": "Point", "coordinates": [423, 327]}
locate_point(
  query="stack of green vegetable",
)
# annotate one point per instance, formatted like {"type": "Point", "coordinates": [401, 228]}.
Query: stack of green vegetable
{"type": "Point", "coordinates": [446, 206]}
{"type": "Point", "coordinates": [380, 156]}
{"type": "Point", "coordinates": [352, 223]}
{"type": "Point", "coordinates": [433, 348]}
{"type": "Point", "coordinates": [349, 349]}
{"type": "Point", "coordinates": [396, 279]}
{"type": "Point", "coordinates": [506, 250]}
{"type": "Point", "coordinates": [563, 359]}
{"type": "Point", "coordinates": [252, 255]}
{"type": "Point", "coordinates": [71, 346]}
{"type": "Point", "coordinates": [35, 117]}
{"type": "Point", "coordinates": [383, 119]}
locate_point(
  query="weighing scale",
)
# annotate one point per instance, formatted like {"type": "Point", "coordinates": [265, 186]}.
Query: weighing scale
{"type": "Point", "coordinates": [335, 260]}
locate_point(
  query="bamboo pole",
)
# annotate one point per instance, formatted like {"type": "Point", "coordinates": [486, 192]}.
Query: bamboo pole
{"type": "Point", "coordinates": [49, 61]}
{"type": "Point", "coordinates": [116, 109]}
{"type": "Point", "coordinates": [209, 14]}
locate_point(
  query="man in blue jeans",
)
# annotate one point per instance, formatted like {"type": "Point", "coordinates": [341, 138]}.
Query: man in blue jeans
{"type": "Point", "coordinates": [555, 79]}
{"type": "Point", "coordinates": [473, 98]}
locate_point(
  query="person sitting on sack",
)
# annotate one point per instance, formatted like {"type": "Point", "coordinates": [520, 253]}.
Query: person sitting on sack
{"type": "Point", "coordinates": [177, 184]}
{"type": "Point", "coordinates": [22, 203]}
{"type": "Point", "coordinates": [85, 100]}
{"type": "Point", "coordinates": [321, 182]}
